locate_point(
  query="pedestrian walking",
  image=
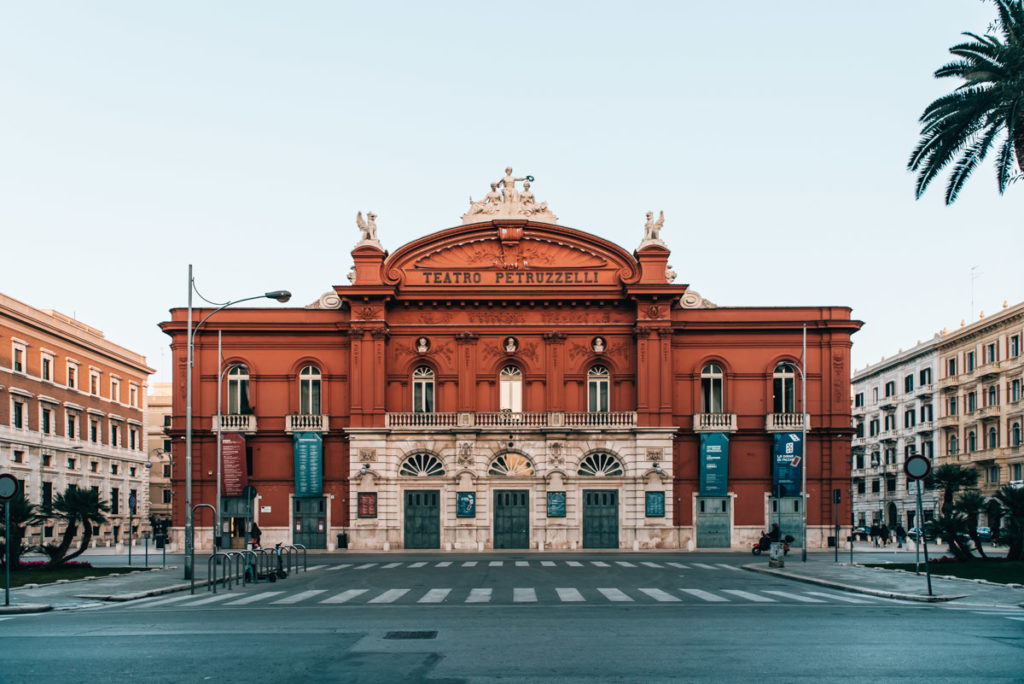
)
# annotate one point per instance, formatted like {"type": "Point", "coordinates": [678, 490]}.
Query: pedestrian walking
{"type": "Point", "coordinates": [873, 533]}
{"type": "Point", "coordinates": [901, 535]}
{"type": "Point", "coordinates": [884, 532]}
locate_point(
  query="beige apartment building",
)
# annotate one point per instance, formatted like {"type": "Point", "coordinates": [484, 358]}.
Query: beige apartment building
{"type": "Point", "coordinates": [981, 371]}
{"type": "Point", "coordinates": [71, 414]}
{"type": "Point", "coordinates": [158, 445]}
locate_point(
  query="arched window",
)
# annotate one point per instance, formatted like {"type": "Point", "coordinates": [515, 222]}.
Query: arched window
{"type": "Point", "coordinates": [511, 389]}
{"type": "Point", "coordinates": [711, 380]}
{"type": "Point", "coordinates": [600, 464]}
{"type": "Point", "coordinates": [597, 389]}
{"type": "Point", "coordinates": [423, 390]}
{"type": "Point", "coordinates": [993, 438]}
{"type": "Point", "coordinates": [511, 465]}
{"type": "Point", "coordinates": [953, 445]}
{"type": "Point", "coordinates": [1015, 434]}
{"type": "Point", "coordinates": [972, 442]}
{"type": "Point", "coordinates": [422, 465]}
{"type": "Point", "coordinates": [783, 390]}
{"type": "Point", "coordinates": [309, 390]}
{"type": "Point", "coordinates": [993, 396]}
{"type": "Point", "coordinates": [238, 390]}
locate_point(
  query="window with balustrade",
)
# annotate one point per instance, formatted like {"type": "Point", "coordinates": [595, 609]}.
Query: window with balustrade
{"type": "Point", "coordinates": [309, 390]}
{"type": "Point", "coordinates": [598, 380]}
{"type": "Point", "coordinates": [510, 388]}
{"type": "Point", "coordinates": [238, 390]}
{"type": "Point", "coordinates": [784, 390]}
{"type": "Point", "coordinates": [712, 382]}
{"type": "Point", "coordinates": [423, 390]}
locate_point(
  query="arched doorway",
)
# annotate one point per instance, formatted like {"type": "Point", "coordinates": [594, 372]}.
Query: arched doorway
{"type": "Point", "coordinates": [892, 516]}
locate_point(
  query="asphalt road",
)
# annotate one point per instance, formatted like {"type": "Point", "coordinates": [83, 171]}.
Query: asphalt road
{"type": "Point", "coordinates": [578, 617]}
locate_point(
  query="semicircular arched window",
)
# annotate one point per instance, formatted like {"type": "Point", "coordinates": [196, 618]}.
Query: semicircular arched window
{"type": "Point", "coordinates": [511, 465]}
{"type": "Point", "coordinates": [600, 464]}
{"type": "Point", "coordinates": [421, 465]}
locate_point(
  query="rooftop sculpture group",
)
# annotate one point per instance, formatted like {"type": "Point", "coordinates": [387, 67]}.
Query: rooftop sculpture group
{"type": "Point", "coordinates": [505, 200]}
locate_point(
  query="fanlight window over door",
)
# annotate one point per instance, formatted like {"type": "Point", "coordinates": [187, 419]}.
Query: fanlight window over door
{"type": "Point", "coordinates": [511, 389]}
{"type": "Point", "coordinates": [511, 465]}
{"type": "Point", "coordinates": [783, 386]}
{"type": "Point", "coordinates": [600, 464]}
{"type": "Point", "coordinates": [238, 390]}
{"type": "Point", "coordinates": [711, 388]}
{"type": "Point", "coordinates": [309, 390]}
{"type": "Point", "coordinates": [597, 389]}
{"type": "Point", "coordinates": [422, 465]}
{"type": "Point", "coordinates": [423, 390]}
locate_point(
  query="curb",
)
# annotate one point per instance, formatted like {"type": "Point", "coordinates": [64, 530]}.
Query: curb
{"type": "Point", "coordinates": [23, 608]}
{"type": "Point", "coordinates": [853, 588]}
{"type": "Point", "coordinates": [142, 594]}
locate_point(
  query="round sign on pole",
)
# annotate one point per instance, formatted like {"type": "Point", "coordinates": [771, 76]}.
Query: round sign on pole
{"type": "Point", "coordinates": [8, 487]}
{"type": "Point", "coordinates": [917, 467]}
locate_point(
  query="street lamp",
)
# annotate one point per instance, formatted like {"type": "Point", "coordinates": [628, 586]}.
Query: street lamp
{"type": "Point", "coordinates": [279, 295]}
{"type": "Point", "coordinates": [802, 369]}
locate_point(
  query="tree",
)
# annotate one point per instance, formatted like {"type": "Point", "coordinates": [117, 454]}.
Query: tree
{"type": "Point", "coordinates": [1012, 531]}
{"type": "Point", "coordinates": [949, 526]}
{"type": "Point", "coordinates": [985, 110]}
{"type": "Point", "coordinates": [23, 514]}
{"type": "Point", "coordinates": [971, 503]}
{"type": "Point", "coordinates": [75, 507]}
{"type": "Point", "coordinates": [951, 478]}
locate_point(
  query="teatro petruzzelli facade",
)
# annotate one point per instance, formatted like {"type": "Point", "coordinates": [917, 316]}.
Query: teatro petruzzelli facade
{"type": "Point", "coordinates": [513, 383]}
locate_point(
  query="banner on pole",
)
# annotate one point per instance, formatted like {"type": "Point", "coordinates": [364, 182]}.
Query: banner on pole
{"type": "Point", "coordinates": [234, 474]}
{"type": "Point", "coordinates": [309, 464]}
{"type": "Point", "coordinates": [714, 464]}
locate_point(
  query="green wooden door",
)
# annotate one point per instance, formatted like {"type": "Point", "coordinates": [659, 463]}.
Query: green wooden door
{"type": "Point", "coordinates": [423, 519]}
{"type": "Point", "coordinates": [310, 523]}
{"type": "Point", "coordinates": [600, 519]}
{"type": "Point", "coordinates": [714, 529]}
{"type": "Point", "coordinates": [511, 519]}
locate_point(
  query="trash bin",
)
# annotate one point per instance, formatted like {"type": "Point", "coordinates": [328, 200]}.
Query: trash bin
{"type": "Point", "coordinates": [776, 555]}
{"type": "Point", "coordinates": [831, 542]}
{"type": "Point", "coordinates": [342, 540]}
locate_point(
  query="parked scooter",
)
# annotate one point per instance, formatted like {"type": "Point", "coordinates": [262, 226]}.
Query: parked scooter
{"type": "Point", "coordinates": [765, 544]}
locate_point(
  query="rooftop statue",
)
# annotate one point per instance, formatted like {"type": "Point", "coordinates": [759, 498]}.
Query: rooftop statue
{"type": "Point", "coordinates": [505, 200]}
{"type": "Point", "coordinates": [368, 226]}
{"type": "Point", "coordinates": [652, 229]}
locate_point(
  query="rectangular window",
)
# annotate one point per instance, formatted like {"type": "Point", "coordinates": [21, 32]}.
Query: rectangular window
{"type": "Point", "coordinates": [1015, 390]}
{"type": "Point", "coordinates": [94, 430]}
{"type": "Point", "coordinates": [890, 484]}
{"type": "Point", "coordinates": [860, 461]}
{"type": "Point", "coordinates": [858, 399]}
{"type": "Point", "coordinates": [113, 469]}
{"type": "Point", "coordinates": [926, 413]}
{"type": "Point", "coordinates": [115, 390]}
{"type": "Point", "coordinates": [926, 376]}
{"type": "Point", "coordinates": [18, 357]}
{"type": "Point", "coordinates": [993, 475]}
{"type": "Point", "coordinates": [167, 496]}
{"type": "Point", "coordinates": [72, 432]}
{"type": "Point", "coordinates": [72, 375]}
{"type": "Point", "coordinates": [874, 395]}
{"type": "Point", "coordinates": [951, 367]}
{"type": "Point", "coordinates": [94, 467]}
{"type": "Point", "coordinates": [167, 421]}
{"type": "Point", "coordinates": [873, 428]}
{"type": "Point", "coordinates": [46, 367]}
{"type": "Point", "coordinates": [94, 382]}
{"type": "Point", "coordinates": [47, 460]}
{"type": "Point", "coordinates": [167, 447]}
{"type": "Point", "coordinates": [46, 495]}
{"type": "Point", "coordinates": [952, 406]}
{"type": "Point", "coordinates": [71, 464]}
{"type": "Point", "coordinates": [991, 353]}
{"type": "Point", "coordinates": [115, 500]}
{"type": "Point", "coordinates": [133, 437]}
{"type": "Point", "coordinates": [970, 361]}
{"type": "Point", "coordinates": [18, 414]}
{"type": "Point", "coordinates": [861, 487]}
{"type": "Point", "coordinates": [890, 388]}
{"type": "Point", "coordinates": [972, 402]}
{"type": "Point", "coordinates": [167, 471]}
{"type": "Point", "coordinates": [47, 419]}
{"type": "Point", "coordinates": [860, 429]}
{"type": "Point", "coordinates": [1014, 346]}
{"type": "Point", "coordinates": [18, 456]}
{"type": "Point", "coordinates": [1017, 469]}
{"type": "Point", "coordinates": [908, 383]}
{"type": "Point", "coordinates": [909, 418]}
{"type": "Point", "coordinates": [113, 434]}
{"type": "Point", "coordinates": [876, 486]}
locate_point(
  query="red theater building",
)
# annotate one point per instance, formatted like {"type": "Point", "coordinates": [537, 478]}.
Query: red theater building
{"type": "Point", "coordinates": [514, 383]}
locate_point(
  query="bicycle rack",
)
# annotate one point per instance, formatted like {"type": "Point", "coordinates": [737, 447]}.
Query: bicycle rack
{"type": "Point", "coordinates": [305, 565]}
{"type": "Point", "coordinates": [215, 561]}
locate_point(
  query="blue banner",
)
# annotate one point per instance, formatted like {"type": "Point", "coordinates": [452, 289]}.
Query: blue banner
{"type": "Point", "coordinates": [787, 464]}
{"type": "Point", "coordinates": [465, 504]}
{"type": "Point", "coordinates": [309, 464]}
{"type": "Point", "coordinates": [714, 464]}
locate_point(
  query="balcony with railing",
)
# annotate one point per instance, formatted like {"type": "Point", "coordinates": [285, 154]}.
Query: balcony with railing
{"type": "Point", "coordinates": [889, 435]}
{"type": "Point", "coordinates": [787, 422]}
{"type": "Point", "coordinates": [234, 422]}
{"type": "Point", "coordinates": [948, 421]}
{"type": "Point", "coordinates": [512, 419]}
{"type": "Point", "coordinates": [714, 422]}
{"type": "Point", "coordinates": [306, 422]}
{"type": "Point", "coordinates": [925, 391]}
{"type": "Point", "coordinates": [888, 402]}
{"type": "Point", "coordinates": [925, 426]}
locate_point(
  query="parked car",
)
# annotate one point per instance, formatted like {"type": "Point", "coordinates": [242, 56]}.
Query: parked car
{"type": "Point", "coordinates": [985, 534]}
{"type": "Point", "coordinates": [860, 533]}
{"type": "Point", "coordinates": [915, 532]}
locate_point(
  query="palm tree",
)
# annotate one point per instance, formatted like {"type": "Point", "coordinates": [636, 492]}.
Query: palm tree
{"type": "Point", "coordinates": [1012, 530]}
{"type": "Point", "coordinates": [949, 527]}
{"type": "Point", "coordinates": [986, 109]}
{"type": "Point", "coordinates": [951, 478]}
{"type": "Point", "coordinates": [971, 504]}
{"type": "Point", "coordinates": [75, 507]}
{"type": "Point", "coordinates": [23, 514]}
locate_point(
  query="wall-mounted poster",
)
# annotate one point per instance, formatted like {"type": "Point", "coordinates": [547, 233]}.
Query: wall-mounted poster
{"type": "Point", "coordinates": [367, 504]}
{"type": "Point", "coordinates": [714, 464]}
{"type": "Point", "coordinates": [787, 464]}
{"type": "Point", "coordinates": [556, 504]}
{"type": "Point", "coordinates": [465, 504]}
{"type": "Point", "coordinates": [655, 504]}
{"type": "Point", "coordinates": [309, 464]}
{"type": "Point", "coordinates": [232, 454]}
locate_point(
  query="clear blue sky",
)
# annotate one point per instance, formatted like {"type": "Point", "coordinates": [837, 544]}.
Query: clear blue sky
{"type": "Point", "coordinates": [242, 137]}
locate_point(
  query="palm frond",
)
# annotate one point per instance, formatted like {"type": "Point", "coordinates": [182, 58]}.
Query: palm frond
{"type": "Point", "coordinates": [969, 160]}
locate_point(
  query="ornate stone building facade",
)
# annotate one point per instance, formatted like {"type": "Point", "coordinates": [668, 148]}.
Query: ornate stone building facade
{"type": "Point", "coordinates": [513, 383]}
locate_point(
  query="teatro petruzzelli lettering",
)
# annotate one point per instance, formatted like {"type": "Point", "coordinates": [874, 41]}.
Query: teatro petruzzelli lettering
{"type": "Point", "coordinates": [511, 277]}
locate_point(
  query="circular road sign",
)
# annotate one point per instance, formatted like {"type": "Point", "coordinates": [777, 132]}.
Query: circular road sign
{"type": "Point", "coordinates": [8, 487]}
{"type": "Point", "coordinates": [917, 467]}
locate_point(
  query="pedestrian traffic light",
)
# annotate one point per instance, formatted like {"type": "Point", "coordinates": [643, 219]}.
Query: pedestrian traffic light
{"type": "Point", "coordinates": [837, 495]}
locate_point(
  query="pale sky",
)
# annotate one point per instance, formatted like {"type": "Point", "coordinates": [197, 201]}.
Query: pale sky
{"type": "Point", "coordinates": [243, 137]}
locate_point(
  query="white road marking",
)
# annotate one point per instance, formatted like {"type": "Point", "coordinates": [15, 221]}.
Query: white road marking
{"type": "Point", "coordinates": [681, 566]}
{"type": "Point", "coordinates": [479, 595]}
{"type": "Point", "coordinates": [301, 596]}
{"type": "Point", "coordinates": [650, 565]}
{"type": "Point", "coordinates": [625, 564]}
{"type": "Point", "coordinates": [1018, 619]}
{"type": "Point", "coordinates": [569, 594]}
{"type": "Point", "coordinates": [162, 601]}
{"type": "Point", "coordinates": [389, 596]}
{"type": "Point", "coordinates": [574, 564]}
{"type": "Point", "coordinates": [659, 595]}
{"type": "Point", "coordinates": [253, 598]}
{"type": "Point", "coordinates": [728, 567]}
{"type": "Point", "coordinates": [837, 597]}
{"type": "Point", "coordinates": [747, 595]}
{"type": "Point", "coordinates": [524, 595]}
{"type": "Point", "coordinates": [314, 567]}
{"type": "Point", "coordinates": [522, 564]}
{"type": "Point", "coordinates": [364, 566]}
{"type": "Point", "coordinates": [469, 564]}
{"type": "Point", "coordinates": [339, 567]}
{"type": "Point", "coordinates": [704, 595]}
{"type": "Point", "coordinates": [548, 564]}
{"type": "Point", "coordinates": [345, 596]}
{"type": "Point", "coordinates": [389, 566]}
{"type": "Point", "coordinates": [210, 599]}
{"type": "Point", "coordinates": [614, 594]}
{"type": "Point", "coordinates": [600, 564]}
{"type": "Point", "coordinates": [435, 596]}
{"type": "Point", "coordinates": [795, 597]}
{"type": "Point", "coordinates": [496, 564]}
{"type": "Point", "coordinates": [443, 564]}
{"type": "Point", "coordinates": [417, 565]}
{"type": "Point", "coordinates": [705, 566]}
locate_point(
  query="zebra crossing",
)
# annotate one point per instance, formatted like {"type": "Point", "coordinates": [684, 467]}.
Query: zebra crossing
{"type": "Point", "coordinates": [512, 596]}
{"type": "Point", "coordinates": [527, 564]}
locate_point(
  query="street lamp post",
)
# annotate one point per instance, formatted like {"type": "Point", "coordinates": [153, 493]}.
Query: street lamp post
{"type": "Point", "coordinates": [281, 296]}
